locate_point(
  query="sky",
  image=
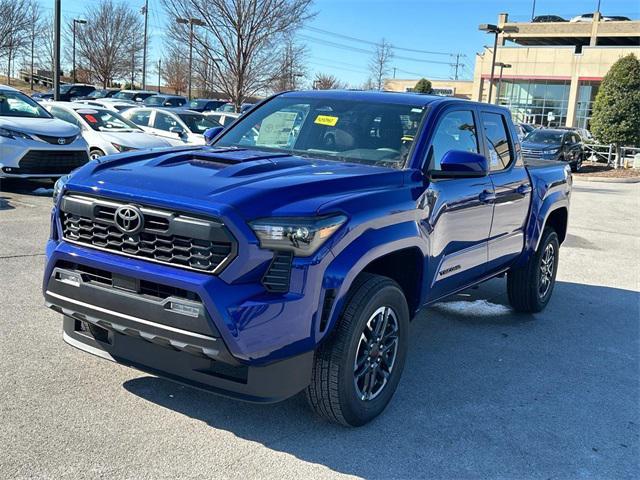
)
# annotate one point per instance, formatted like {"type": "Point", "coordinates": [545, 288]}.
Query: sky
{"type": "Point", "coordinates": [339, 38]}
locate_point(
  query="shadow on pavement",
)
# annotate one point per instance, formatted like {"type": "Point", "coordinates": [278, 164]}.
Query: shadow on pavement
{"type": "Point", "coordinates": [519, 396]}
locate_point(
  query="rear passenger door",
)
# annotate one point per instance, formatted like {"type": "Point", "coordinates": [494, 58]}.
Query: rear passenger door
{"type": "Point", "coordinates": [512, 189]}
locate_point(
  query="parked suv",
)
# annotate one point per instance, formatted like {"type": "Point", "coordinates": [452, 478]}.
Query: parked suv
{"type": "Point", "coordinates": [291, 254]}
{"type": "Point", "coordinates": [169, 101]}
{"type": "Point", "coordinates": [554, 144]}
{"type": "Point", "coordinates": [67, 92]}
{"type": "Point", "coordinates": [32, 142]}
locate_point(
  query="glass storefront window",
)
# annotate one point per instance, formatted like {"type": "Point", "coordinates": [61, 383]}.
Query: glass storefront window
{"type": "Point", "coordinates": [587, 91]}
{"type": "Point", "coordinates": [539, 102]}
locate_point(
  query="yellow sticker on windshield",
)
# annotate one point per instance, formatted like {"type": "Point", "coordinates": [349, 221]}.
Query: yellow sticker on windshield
{"type": "Point", "coordinates": [327, 120]}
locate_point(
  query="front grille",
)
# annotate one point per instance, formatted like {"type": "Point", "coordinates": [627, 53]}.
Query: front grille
{"type": "Point", "coordinates": [52, 161]}
{"type": "Point", "coordinates": [57, 140]}
{"type": "Point", "coordinates": [279, 274]}
{"type": "Point", "coordinates": [529, 153]}
{"type": "Point", "coordinates": [166, 237]}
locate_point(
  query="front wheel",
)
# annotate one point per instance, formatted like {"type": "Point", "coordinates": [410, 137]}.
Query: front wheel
{"type": "Point", "coordinates": [530, 286]}
{"type": "Point", "coordinates": [356, 371]}
{"type": "Point", "coordinates": [95, 153]}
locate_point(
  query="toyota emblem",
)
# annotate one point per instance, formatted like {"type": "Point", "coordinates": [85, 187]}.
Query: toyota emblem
{"type": "Point", "coordinates": [62, 141]}
{"type": "Point", "coordinates": [128, 219]}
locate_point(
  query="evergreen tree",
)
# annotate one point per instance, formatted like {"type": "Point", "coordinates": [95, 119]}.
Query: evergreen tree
{"type": "Point", "coordinates": [616, 110]}
{"type": "Point", "coordinates": [423, 86]}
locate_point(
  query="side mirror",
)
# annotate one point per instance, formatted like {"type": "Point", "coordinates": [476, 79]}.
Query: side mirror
{"type": "Point", "coordinates": [211, 133]}
{"type": "Point", "coordinates": [178, 130]}
{"type": "Point", "coordinates": [462, 164]}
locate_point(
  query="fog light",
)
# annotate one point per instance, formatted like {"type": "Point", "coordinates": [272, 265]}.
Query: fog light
{"type": "Point", "coordinates": [70, 278]}
{"type": "Point", "coordinates": [184, 309]}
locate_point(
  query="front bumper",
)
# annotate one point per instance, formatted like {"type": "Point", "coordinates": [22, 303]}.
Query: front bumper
{"type": "Point", "coordinates": [142, 331]}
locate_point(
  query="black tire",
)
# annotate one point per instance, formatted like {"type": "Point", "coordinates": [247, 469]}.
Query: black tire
{"type": "Point", "coordinates": [334, 393]}
{"type": "Point", "coordinates": [95, 153]}
{"type": "Point", "coordinates": [526, 286]}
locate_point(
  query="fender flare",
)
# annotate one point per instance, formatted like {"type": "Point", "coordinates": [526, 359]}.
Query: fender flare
{"type": "Point", "coordinates": [355, 257]}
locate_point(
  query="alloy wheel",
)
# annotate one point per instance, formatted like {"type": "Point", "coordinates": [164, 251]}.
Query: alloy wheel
{"type": "Point", "coordinates": [376, 353]}
{"type": "Point", "coordinates": [547, 266]}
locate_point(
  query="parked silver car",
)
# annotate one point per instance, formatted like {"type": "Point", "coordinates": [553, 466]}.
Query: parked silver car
{"type": "Point", "coordinates": [178, 127]}
{"type": "Point", "coordinates": [32, 142]}
{"type": "Point", "coordinates": [105, 131]}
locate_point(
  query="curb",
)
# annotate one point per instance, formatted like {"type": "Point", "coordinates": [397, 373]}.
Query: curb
{"type": "Point", "coordinates": [607, 179]}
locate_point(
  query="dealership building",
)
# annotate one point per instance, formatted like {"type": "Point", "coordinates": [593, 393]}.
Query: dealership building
{"type": "Point", "coordinates": [549, 73]}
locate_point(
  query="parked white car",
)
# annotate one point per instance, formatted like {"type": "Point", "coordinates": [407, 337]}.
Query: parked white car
{"type": "Point", "coordinates": [109, 104]}
{"type": "Point", "coordinates": [178, 127]}
{"type": "Point", "coordinates": [105, 131]}
{"type": "Point", "coordinates": [588, 17]}
{"type": "Point", "coordinates": [33, 143]}
{"type": "Point", "coordinates": [223, 118]}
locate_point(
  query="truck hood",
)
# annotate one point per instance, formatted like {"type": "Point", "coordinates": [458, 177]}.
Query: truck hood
{"type": "Point", "coordinates": [252, 183]}
{"type": "Point", "coordinates": [40, 126]}
{"type": "Point", "coordinates": [540, 146]}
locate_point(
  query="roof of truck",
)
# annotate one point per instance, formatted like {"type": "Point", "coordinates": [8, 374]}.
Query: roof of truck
{"type": "Point", "coordinates": [399, 98]}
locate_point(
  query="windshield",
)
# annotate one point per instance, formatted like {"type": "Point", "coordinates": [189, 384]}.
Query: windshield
{"type": "Point", "coordinates": [544, 136]}
{"type": "Point", "coordinates": [198, 123]}
{"type": "Point", "coordinates": [154, 100]}
{"type": "Point", "coordinates": [98, 94]}
{"type": "Point", "coordinates": [106, 121]}
{"type": "Point", "coordinates": [124, 95]}
{"type": "Point", "coordinates": [16, 104]}
{"type": "Point", "coordinates": [345, 130]}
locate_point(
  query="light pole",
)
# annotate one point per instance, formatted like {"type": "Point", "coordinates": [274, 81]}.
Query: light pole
{"type": "Point", "coordinates": [56, 50]}
{"type": "Point", "coordinates": [490, 28]}
{"type": "Point", "coordinates": [191, 21]}
{"type": "Point", "coordinates": [79, 22]}
{"type": "Point", "coordinates": [533, 10]}
{"type": "Point", "coordinates": [145, 11]}
{"type": "Point", "coordinates": [159, 69]}
{"type": "Point", "coordinates": [502, 67]}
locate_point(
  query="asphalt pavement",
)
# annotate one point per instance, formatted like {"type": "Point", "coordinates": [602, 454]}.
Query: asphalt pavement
{"type": "Point", "coordinates": [486, 393]}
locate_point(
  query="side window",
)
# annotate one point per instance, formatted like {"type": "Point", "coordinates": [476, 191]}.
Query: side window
{"type": "Point", "coordinates": [63, 115]}
{"type": "Point", "coordinates": [164, 121]}
{"type": "Point", "coordinates": [498, 142]}
{"type": "Point", "coordinates": [455, 131]}
{"type": "Point", "coordinates": [141, 117]}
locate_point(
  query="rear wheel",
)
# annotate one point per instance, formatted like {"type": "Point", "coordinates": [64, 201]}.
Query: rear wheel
{"type": "Point", "coordinates": [530, 286]}
{"type": "Point", "coordinates": [357, 370]}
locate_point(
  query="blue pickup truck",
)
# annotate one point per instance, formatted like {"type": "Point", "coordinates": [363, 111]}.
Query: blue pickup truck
{"type": "Point", "coordinates": [291, 254]}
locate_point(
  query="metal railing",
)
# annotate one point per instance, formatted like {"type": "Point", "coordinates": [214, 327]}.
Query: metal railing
{"type": "Point", "coordinates": [607, 154]}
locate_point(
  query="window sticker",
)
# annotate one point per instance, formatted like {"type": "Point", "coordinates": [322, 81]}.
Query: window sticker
{"type": "Point", "coordinates": [327, 120]}
{"type": "Point", "coordinates": [276, 129]}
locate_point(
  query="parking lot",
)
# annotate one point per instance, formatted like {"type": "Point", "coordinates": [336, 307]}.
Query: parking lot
{"type": "Point", "coordinates": [485, 392]}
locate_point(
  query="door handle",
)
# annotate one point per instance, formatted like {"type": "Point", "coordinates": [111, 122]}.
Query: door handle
{"type": "Point", "coordinates": [524, 189]}
{"type": "Point", "coordinates": [487, 196]}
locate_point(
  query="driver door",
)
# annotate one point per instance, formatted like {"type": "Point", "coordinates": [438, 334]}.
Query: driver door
{"type": "Point", "coordinates": [458, 211]}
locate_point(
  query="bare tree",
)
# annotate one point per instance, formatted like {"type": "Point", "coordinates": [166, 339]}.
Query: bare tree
{"type": "Point", "coordinates": [291, 67]}
{"type": "Point", "coordinates": [241, 39]}
{"type": "Point", "coordinates": [381, 64]}
{"type": "Point", "coordinates": [325, 81]}
{"type": "Point", "coordinates": [111, 41]}
{"type": "Point", "coordinates": [175, 69]}
{"type": "Point", "coordinates": [15, 25]}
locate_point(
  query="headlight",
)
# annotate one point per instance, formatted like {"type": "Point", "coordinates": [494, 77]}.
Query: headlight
{"type": "Point", "coordinates": [57, 187]}
{"type": "Point", "coordinates": [552, 151]}
{"type": "Point", "coordinates": [302, 236]}
{"type": "Point", "coordinates": [122, 148]}
{"type": "Point", "coordinates": [8, 133]}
